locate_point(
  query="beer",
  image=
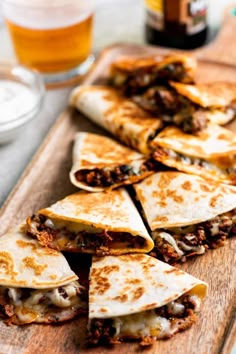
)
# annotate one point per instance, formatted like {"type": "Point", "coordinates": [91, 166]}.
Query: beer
{"type": "Point", "coordinates": [51, 39]}
{"type": "Point", "coordinates": [176, 23]}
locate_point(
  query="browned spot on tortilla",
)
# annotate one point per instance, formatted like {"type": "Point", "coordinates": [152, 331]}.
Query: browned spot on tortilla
{"type": "Point", "coordinates": [53, 276]}
{"type": "Point", "coordinates": [205, 187]}
{"type": "Point", "coordinates": [103, 310]}
{"type": "Point", "coordinates": [137, 293]}
{"type": "Point", "coordinates": [7, 264]}
{"type": "Point", "coordinates": [173, 270]}
{"type": "Point", "coordinates": [213, 201]}
{"type": "Point", "coordinates": [102, 285]}
{"type": "Point", "coordinates": [38, 250]}
{"type": "Point", "coordinates": [121, 298]}
{"type": "Point", "coordinates": [37, 268]}
{"type": "Point", "coordinates": [148, 181]}
{"type": "Point", "coordinates": [165, 179]}
{"type": "Point", "coordinates": [109, 269]}
{"type": "Point", "coordinates": [148, 307]}
{"type": "Point", "coordinates": [222, 136]}
{"type": "Point", "coordinates": [173, 194]}
{"type": "Point", "coordinates": [196, 199]}
{"type": "Point", "coordinates": [134, 281]}
{"type": "Point", "coordinates": [186, 185]}
{"type": "Point", "coordinates": [161, 219]}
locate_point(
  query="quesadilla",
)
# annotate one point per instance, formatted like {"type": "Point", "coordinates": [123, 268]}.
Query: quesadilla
{"type": "Point", "coordinates": [96, 223]}
{"type": "Point", "coordinates": [120, 116]}
{"type": "Point", "coordinates": [132, 75]}
{"type": "Point", "coordinates": [36, 283]}
{"type": "Point", "coordinates": [177, 108]}
{"type": "Point", "coordinates": [215, 100]}
{"type": "Point", "coordinates": [100, 162]}
{"type": "Point", "coordinates": [211, 154]}
{"type": "Point", "coordinates": [137, 297]}
{"type": "Point", "coordinates": [186, 214]}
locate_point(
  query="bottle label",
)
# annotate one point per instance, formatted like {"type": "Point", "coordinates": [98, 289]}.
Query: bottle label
{"type": "Point", "coordinates": [155, 14]}
{"type": "Point", "coordinates": [178, 16]}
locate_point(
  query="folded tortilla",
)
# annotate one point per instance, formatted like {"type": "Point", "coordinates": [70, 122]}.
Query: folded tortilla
{"type": "Point", "coordinates": [36, 283]}
{"type": "Point", "coordinates": [217, 99]}
{"type": "Point", "coordinates": [100, 163]}
{"type": "Point", "coordinates": [133, 74]}
{"type": "Point", "coordinates": [96, 223]}
{"type": "Point", "coordinates": [120, 116]}
{"type": "Point", "coordinates": [139, 297]}
{"type": "Point", "coordinates": [211, 154]}
{"type": "Point", "coordinates": [186, 213]}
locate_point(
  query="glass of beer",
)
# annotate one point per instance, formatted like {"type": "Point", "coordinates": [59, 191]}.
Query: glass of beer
{"type": "Point", "coordinates": [52, 36]}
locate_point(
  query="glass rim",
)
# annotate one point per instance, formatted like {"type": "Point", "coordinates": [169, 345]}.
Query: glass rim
{"type": "Point", "coordinates": [47, 4]}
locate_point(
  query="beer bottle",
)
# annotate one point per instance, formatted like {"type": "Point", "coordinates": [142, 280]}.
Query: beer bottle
{"type": "Point", "coordinates": [176, 23]}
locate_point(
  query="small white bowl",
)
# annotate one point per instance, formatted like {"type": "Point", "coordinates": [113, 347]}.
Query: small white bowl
{"type": "Point", "coordinates": [21, 97]}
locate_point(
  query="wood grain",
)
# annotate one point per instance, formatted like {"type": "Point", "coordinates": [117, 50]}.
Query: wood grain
{"type": "Point", "coordinates": [46, 180]}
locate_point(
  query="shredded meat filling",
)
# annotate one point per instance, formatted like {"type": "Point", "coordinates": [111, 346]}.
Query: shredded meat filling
{"type": "Point", "coordinates": [173, 108]}
{"type": "Point", "coordinates": [199, 238]}
{"type": "Point", "coordinates": [106, 177]}
{"type": "Point", "coordinates": [180, 314]}
{"type": "Point", "coordinates": [143, 78]}
{"type": "Point", "coordinates": [81, 241]}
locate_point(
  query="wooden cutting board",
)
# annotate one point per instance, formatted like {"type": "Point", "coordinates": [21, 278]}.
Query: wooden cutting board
{"type": "Point", "coordinates": [46, 180]}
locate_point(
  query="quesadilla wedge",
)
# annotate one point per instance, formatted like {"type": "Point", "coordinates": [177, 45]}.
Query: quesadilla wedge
{"type": "Point", "coordinates": [36, 283]}
{"type": "Point", "coordinates": [96, 223]}
{"type": "Point", "coordinates": [186, 213]}
{"type": "Point", "coordinates": [211, 154]}
{"type": "Point", "coordinates": [217, 100]}
{"type": "Point", "coordinates": [120, 116]}
{"type": "Point", "coordinates": [137, 297]}
{"type": "Point", "coordinates": [178, 109]}
{"type": "Point", "coordinates": [100, 162]}
{"type": "Point", "coordinates": [132, 75]}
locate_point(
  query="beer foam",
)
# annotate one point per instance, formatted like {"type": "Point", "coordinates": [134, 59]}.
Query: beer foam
{"type": "Point", "coordinates": [45, 14]}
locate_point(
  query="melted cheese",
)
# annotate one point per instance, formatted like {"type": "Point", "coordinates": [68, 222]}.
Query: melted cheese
{"type": "Point", "coordinates": [148, 323]}
{"type": "Point", "coordinates": [34, 309]}
{"type": "Point", "coordinates": [71, 226]}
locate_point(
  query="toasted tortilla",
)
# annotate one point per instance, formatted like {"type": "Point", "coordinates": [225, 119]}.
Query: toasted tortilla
{"type": "Point", "coordinates": [36, 283]}
{"type": "Point", "coordinates": [212, 94]}
{"type": "Point", "coordinates": [94, 217]}
{"type": "Point", "coordinates": [211, 154]}
{"type": "Point", "coordinates": [120, 116]}
{"type": "Point", "coordinates": [187, 214]}
{"type": "Point", "coordinates": [177, 67]}
{"type": "Point", "coordinates": [127, 288]}
{"type": "Point", "coordinates": [100, 162]}
{"type": "Point", "coordinates": [25, 263]}
{"type": "Point", "coordinates": [167, 199]}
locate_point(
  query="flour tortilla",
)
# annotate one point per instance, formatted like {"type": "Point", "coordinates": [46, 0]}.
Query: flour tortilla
{"type": "Point", "coordinates": [91, 213]}
{"type": "Point", "coordinates": [120, 116]}
{"type": "Point", "coordinates": [25, 263]}
{"type": "Point", "coordinates": [215, 146]}
{"type": "Point", "coordinates": [172, 199]}
{"type": "Point", "coordinates": [135, 283]}
{"type": "Point", "coordinates": [92, 151]}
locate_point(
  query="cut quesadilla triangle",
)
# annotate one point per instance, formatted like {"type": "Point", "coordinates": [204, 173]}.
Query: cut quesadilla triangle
{"type": "Point", "coordinates": [133, 74]}
{"type": "Point", "coordinates": [120, 116]}
{"type": "Point", "coordinates": [211, 154]}
{"type": "Point", "coordinates": [139, 297]}
{"type": "Point", "coordinates": [36, 283]}
{"type": "Point", "coordinates": [100, 162]}
{"type": "Point", "coordinates": [97, 223]}
{"type": "Point", "coordinates": [186, 213]}
{"type": "Point", "coordinates": [212, 94]}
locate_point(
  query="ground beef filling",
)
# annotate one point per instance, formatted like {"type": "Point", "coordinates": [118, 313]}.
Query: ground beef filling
{"type": "Point", "coordinates": [82, 241]}
{"type": "Point", "coordinates": [178, 244]}
{"type": "Point", "coordinates": [106, 177]}
{"type": "Point", "coordinates": [173, 108]}
{"type": "Point", "coordinates": [174, 317]}
{"type": "Point", "coordinates": [143, 78]}
{"type": "Point", "coordinates": [161, 154]}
